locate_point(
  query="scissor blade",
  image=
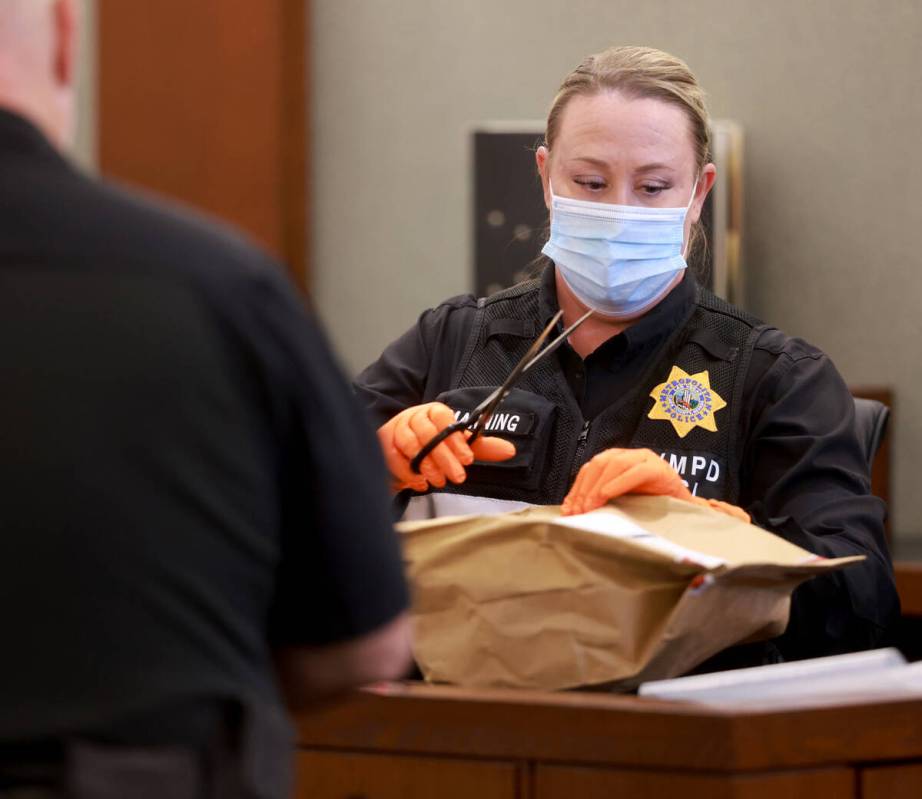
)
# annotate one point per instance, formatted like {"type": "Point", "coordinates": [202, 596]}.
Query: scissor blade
{"type": "Point", "coordinates": [520, 367]}
{"type": "Point", "coordinates": [485, 409]}
{"type": "Point", "coordinates": [557, 341]}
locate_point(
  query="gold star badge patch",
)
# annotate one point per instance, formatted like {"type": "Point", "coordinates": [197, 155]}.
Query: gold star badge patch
{"type": "Point", "coordinates": [688, 401]}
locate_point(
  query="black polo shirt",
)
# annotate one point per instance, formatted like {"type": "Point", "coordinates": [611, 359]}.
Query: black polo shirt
{"type": "Point", "coordinates": [186, 482]}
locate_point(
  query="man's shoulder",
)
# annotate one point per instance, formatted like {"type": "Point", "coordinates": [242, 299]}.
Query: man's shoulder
{"type": "Point", "coordinates": [56, 213]}
{"type": "Point", "coordinates": [158, 232]}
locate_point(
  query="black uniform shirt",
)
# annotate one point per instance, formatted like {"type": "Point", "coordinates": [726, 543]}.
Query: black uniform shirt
{"type": "Point", "coordinates": [185, 481]}
{"type": "Point", "coordinates": [614, 367]}
{"type": "Point", "coordinates": [803, 472]}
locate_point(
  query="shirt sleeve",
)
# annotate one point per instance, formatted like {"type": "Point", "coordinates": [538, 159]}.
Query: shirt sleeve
{"type": "Point", "coordinates": [419, 365]}
{"type": "Point", "coordinates": [340, 572]}
{"type": "Point", "coordinates": [805, 477]}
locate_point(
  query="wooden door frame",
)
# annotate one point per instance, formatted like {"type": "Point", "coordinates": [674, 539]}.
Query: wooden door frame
{"type": "Point", "coordinates": [207, 103]}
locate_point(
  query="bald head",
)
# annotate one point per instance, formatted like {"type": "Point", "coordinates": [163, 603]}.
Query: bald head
{"type": "Point", "coordinates": [37, 63]}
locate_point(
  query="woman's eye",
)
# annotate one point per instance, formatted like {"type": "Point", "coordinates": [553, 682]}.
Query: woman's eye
{"type": "Point", "coordinates": [593, 184]}
{"type": "Point", "coordinates": [652, 189]}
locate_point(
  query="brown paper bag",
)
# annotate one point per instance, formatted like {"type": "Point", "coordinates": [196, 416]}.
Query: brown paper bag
{"type": "Point", "coordinates": [643, 589]}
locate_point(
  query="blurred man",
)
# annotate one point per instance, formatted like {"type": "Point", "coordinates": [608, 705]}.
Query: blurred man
{"type": "Point", "coordinates": [191, 510]}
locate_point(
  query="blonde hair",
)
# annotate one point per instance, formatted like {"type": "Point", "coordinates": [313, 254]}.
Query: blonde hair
{"type": "Point", "coordinates": [639, 72]}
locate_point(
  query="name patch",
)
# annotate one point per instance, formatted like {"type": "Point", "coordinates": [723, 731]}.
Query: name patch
{"type": "Point", "coordinates": [504, 422]}
{"type": "Point", "coordinates": [702, 473]}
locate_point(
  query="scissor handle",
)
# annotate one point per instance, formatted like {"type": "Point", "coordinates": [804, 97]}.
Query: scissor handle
{"type": "Point", "coordinates": [433, 442]}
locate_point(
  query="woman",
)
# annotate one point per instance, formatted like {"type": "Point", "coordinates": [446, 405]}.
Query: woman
{"type": "Point", "coordinates": [666, 389]}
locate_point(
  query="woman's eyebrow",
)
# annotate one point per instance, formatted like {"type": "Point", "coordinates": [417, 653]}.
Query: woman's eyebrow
{"type": "Point", "coordinates": [654, 167]}
{"type": "Point", "coordinates": [602, 163]}
{"type": "Point", "coordinates": [599, 162]}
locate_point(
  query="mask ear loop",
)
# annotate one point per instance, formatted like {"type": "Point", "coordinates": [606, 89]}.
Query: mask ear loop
{"type": "Point", "coordinates": [687, 209]}
{"type": "Point", "coordinates": [550, 184]}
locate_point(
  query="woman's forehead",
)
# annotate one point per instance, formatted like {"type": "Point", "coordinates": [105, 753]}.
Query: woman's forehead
{"type": "Point", "coordinates": [613, 126]}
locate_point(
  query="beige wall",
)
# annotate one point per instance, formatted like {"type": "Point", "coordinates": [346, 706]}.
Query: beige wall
{"type": "Point", "coordinates": [829, 92]}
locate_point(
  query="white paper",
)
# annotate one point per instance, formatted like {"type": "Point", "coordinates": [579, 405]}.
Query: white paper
{"type": "Point", "coordinates": [437, 505]}
{"type": "Point", "coordinates": [605, 522]}
{"type": "Point", "coordinates": [865, 673]}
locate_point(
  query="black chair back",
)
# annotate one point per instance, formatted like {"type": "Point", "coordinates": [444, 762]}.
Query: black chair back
{"type": "Point", "coordinates": [871, 419]}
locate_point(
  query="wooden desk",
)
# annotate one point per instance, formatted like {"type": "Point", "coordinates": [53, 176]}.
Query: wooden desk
{"type": "Point", "coordinates": [423, 742]}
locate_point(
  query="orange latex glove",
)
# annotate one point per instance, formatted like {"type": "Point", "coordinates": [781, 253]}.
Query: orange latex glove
{"type": "Point", "coordinates": [615, 472]}
{"type": "Point", "coordinates": [724, 507]}
{"type": "Point", "coordinates": [408, 432]}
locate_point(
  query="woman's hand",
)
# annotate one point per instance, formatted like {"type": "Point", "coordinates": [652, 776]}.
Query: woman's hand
{"type": "Point", "coordinates": [614, 472]}
{"type": "Point", "coordinates": [409, 431]}
{"type": "Point", "coordinates": [724, 507]}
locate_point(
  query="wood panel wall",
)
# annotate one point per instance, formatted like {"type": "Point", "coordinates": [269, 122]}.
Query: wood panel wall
{"type": "Point", "coordinates": [206, 102]}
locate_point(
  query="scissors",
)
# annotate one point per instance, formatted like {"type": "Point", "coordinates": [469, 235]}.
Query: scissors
{"type": "Point", "coordinates": [478, 418]}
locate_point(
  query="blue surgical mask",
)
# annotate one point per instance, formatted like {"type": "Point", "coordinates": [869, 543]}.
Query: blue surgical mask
{"type": "Point", "coordinates": [619, 260]}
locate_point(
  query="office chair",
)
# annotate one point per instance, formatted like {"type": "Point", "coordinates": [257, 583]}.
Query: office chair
{"type": "Point", "coordinates": [871, 419]}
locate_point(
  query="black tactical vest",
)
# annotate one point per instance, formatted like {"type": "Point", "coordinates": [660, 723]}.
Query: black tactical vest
{"type": "Point", "coordinates": [542, 418]}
